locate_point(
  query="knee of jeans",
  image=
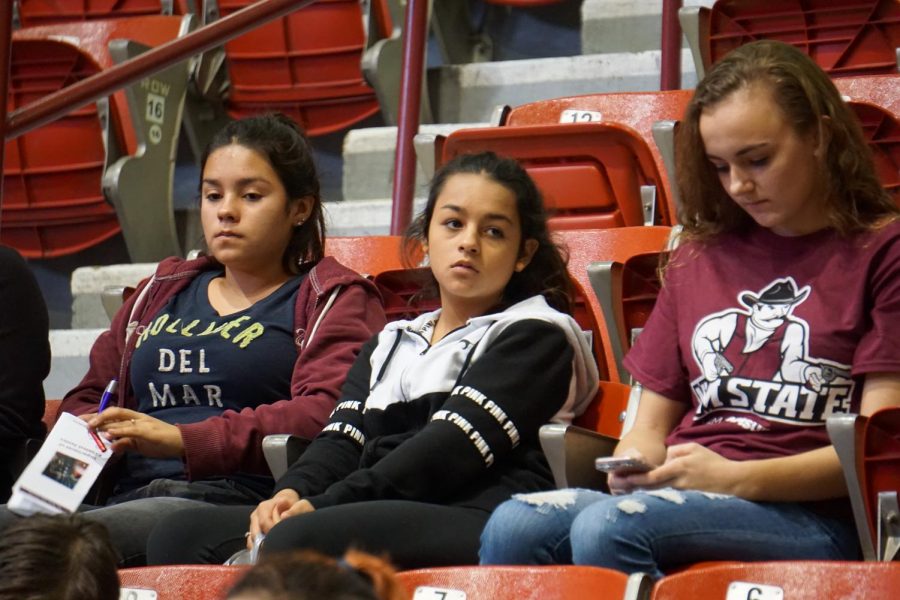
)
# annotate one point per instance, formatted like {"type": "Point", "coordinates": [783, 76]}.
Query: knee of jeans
{"type": "Point", "coordinates": [520, 528]}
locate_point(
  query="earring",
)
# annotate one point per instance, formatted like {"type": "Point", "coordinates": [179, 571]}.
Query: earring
{"type": "Point", "coordinates": [298, 223]}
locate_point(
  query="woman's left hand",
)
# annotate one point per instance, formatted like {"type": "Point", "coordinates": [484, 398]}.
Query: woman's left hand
{"type": "Point", "coordinates": [133, 430]}
{"type": "Point", "coordinates": [691, 467]}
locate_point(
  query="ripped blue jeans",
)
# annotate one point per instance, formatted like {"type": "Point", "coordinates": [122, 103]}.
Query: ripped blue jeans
{"type": "Point", "coordinates": [656, 531]}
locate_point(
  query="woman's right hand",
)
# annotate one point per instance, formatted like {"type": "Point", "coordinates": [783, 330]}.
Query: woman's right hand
{"type": "Point", "coordinates": [269, 513]}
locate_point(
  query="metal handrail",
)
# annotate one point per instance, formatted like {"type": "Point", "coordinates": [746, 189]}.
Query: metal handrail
{"type": "Point", "coordinates": [412, 71]}
{"type": "Point", "coordinates": [670, 46]}
{"type": "Point", "coordinates": [73, 97]}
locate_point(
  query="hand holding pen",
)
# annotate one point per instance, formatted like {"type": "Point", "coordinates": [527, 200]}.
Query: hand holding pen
{"type": "Point", "coordinates": [104, 402]}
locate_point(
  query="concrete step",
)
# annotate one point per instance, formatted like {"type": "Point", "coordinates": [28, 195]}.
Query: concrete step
{"type": "Point", "coordinates": [468, 93]}
{"type": "Point", "coordinates": [624, 25]}
{"type": "Point", "coordinates": [69, 349]}
{"type": "Point", "coordinates": [88, 284]}
{"type": "Point", "coordinates": [369, 160]}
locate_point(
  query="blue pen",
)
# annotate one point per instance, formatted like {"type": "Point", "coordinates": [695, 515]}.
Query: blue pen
{"type": "Point", "coordinates": [107, 394]}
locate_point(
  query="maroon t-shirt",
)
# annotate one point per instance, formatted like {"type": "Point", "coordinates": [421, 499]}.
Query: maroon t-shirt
{"type": "Point", "coordinates": [766, 336]}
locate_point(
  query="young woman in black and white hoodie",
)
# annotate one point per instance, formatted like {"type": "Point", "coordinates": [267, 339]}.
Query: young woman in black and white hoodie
{"type": "Point", "coordinates": [438, 419]}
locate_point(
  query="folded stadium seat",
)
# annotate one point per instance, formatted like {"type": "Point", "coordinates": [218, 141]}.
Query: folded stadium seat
{"type": "Point", "coordinates": [54, 174]}
{"type": "Point", "coordinates": [882, 131]}
{"type": "Point", "coordinates": [881, 480]}
{"type": "Point", "coordinates": [626, 290]}
{"type": "Point", "coordinates": [638, 110]}
{"type": "Point", "coordinates": [368, 255]}
{"type": "Point", "coordinates": [508, 583]}
{"type": "Point", "coordinates": [616, 245]}
{"type": "Point", "coordinates": [794, 580]}
{"type": "Point", "coordinates": [47, 12]}
{"type": "Point", "coordinates": [306, 65]}
{"type": "Point", "coordinates": [869, 450]}
{"type": "Point", "coordinates": [844, 37]}
{"type": "Point", "coordinates": [592, 175]}
{"type": "Point", "coordinates": [182, 582]}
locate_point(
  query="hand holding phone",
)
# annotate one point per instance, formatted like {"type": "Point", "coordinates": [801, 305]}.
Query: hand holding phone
{"type": "Point", "coordinates": [622, 465]}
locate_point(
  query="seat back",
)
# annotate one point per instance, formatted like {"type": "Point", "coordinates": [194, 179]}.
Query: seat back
{"type": "Point", "coordinates": [637, 110]}
{"type": "Point", "coordinates": [882, 131]}
{"type": "Point", "coordinates": [368, 255]}
{"type": "Point", "coordinates": [618, 245]}
{"type": "Point", "coordinates": [501, 583]}
{"type": "Point", "coordinates": [881, 479]}
{"type": "Point", "coordinates": [590, 174]}
{"type": "Point", "coordinates": [849, 37]}
{"type": "Point", "coordinates": [306, 65]}
{"type": "Point", "coordinates": [52, 204]}
{"type": "Point", "coordinates": [62, 180]}
{"type": "Point", "coordinates": [183, 582]}
{"type": "Point", "coordinates": [407, 293]}
{"type": "Point", "coordinates": [794, 580]}
{"type": "Point", "coordinates": [48, 12]}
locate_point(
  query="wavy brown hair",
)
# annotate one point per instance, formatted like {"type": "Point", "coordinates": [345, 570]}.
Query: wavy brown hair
{"type": "Point", "coordinates": [854, 197]}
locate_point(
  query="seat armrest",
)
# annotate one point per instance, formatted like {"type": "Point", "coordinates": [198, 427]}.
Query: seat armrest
{"type": "Point", "coordinates": [281, 450]}
{"type": "Point", "coordinates": [571, 451]}
{"type": "Point", "coordinates": [844, 432]}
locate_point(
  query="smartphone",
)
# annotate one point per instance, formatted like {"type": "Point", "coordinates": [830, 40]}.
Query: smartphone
{"type": "Point", "coordinates": [624, 465]}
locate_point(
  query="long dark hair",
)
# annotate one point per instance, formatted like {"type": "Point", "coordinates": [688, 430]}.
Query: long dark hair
{"type": "Point", "coordinates": [854, 198]}
{"type": "Point", "coordinates": [285, 146]}
{"type": "Point", "coordinates": [546, 273]}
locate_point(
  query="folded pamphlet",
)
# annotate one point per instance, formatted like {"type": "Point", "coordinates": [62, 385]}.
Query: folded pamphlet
{"type": "Point", "coordinates": [64, 469]}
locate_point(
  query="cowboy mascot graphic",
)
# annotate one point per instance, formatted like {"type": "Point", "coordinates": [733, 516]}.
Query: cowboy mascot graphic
{"type": "Point", "coordinates": [756, 359]}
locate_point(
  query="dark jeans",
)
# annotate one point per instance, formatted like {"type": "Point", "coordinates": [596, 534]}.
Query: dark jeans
{"type": "Point", "coordinates": [412, 534]}
{"type": "Point", "coordinates": [131, 517]}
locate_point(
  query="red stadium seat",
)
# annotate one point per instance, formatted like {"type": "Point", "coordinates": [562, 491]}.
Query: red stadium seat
{"type": "Point", "coordinates": [616, 245]}
{"type": "Point", "coordinates": [369, 255]}
{"type": "Point", "coordinates": [306, 65]}
{"type": "Point", "coordinates": [183, 582]}
{"type": "Point", "coordinates": [638, 110]}
{"type": "Point", "coordinates": [591, 174]}
{"type": "Point", "coordinates": [844, 37]}
{"type": "Point", "coordinates": [48, 12]}
{"type": "Point", "coordinates": [545, 582]}
{"type": "Point", "coordinates": [52, 176]}
{"type": "Point", "coordinates": [793, 580]}
{"type": "Point", "coordinates": [882, 131]}
{"type": "Point", "coordinates": [881, 480]}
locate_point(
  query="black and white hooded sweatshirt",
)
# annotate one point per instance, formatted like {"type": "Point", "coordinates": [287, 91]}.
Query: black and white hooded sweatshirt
{"type": "Point", "coordinates": [454, 423]}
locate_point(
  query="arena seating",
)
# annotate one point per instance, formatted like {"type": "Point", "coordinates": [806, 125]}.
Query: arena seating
{"type": "Point", "coordinates": [49, 12]}
{"type": "Point", "coordinates": [638, 110]}
{"type": "Point", "coordinates": [53, 201]}
{"type": "Point", "coordinates": [616, 245]}
{"type": "Point", "coordinates": [508, 583]}
{"type": "Point", "coordinates": [592, 175]}
{"type": "Point", "coordinates": [306, 65]}
{"type": "Point", "coordinates": [869, 449]}
{"type": "Point", "coordinates": [846, 37]}
{"type": "Point", "coordinates": [369, 254]}
{"type": "Point", "coordinates": [794, 580]}
{"type": "Point", "coordinates": [182, 582]}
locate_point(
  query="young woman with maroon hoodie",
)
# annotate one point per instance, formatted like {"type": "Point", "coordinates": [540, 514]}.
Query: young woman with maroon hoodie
{"type": "Point", "coordinates": [213, 354]}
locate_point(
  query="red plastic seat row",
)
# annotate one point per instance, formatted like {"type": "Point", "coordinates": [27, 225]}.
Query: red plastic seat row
{"type": "Point", "coordinates": [53, 202]}
{"type": "Point", "coordinates": [844, 37]}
